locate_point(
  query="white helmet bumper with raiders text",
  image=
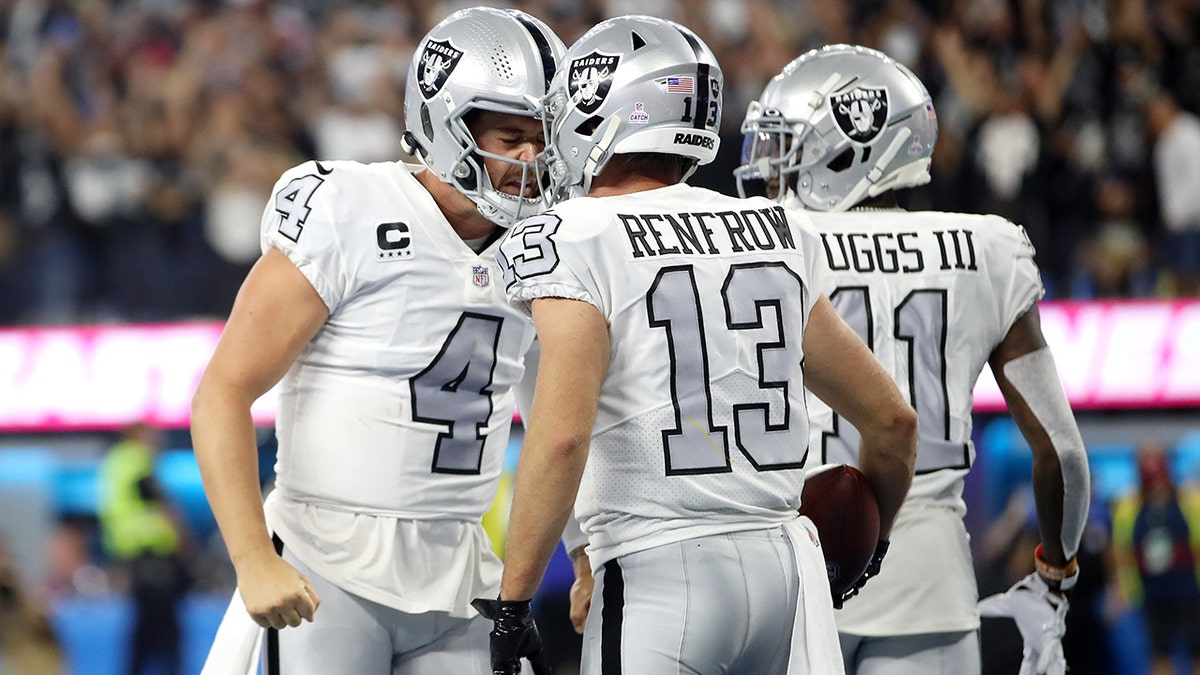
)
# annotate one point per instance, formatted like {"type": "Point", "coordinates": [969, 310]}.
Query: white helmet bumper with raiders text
{"type": "Point", "coordinates": [836, 126]}
{"type": "Point", "coordinates": [479, 58]}
{"type": "Point", "coordinates": [632, 84]}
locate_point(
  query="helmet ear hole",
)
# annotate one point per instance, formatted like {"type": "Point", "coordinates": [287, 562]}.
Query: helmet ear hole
{"type": "Point", "coordinates": [843, 161]}
{"type": "Point", "coordinates": [589, 126]}
{"type": "Point", "coordinates": [426, 122]}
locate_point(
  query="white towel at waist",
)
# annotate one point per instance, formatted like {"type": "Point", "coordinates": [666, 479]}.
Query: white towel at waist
{"type": "Point", "coordinates": [815, 646]}
{"type": "Point", "coordinates": [235, 649]}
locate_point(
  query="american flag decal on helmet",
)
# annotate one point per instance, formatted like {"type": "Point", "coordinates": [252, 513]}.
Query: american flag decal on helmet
{"type": "Point", "coordinates": [681, 85]}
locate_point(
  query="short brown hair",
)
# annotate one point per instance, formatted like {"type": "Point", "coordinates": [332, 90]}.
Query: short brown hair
{"type": "Point", "coordinates": [668, 168]}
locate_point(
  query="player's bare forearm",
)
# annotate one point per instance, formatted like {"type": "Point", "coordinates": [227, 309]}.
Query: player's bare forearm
{"type": "Point", "coordinates": [277, 312]}
{"type": "Point", "coordinates": [226, 450]}
{"type": "Point", "coordinates": [275, 594]}
{"type": "Point", "coordinates": [842, 371]}
{"type": "Point", "coordinates": [548, 474]}
{"type": "Point", "coordinates": [887, 459]}
{"type": "Point", "coordinates": [574, 359]}
{"type": "Point", "coordinates": [547, 480]}
{"type": "Point", "coordinates": [1048, 496]}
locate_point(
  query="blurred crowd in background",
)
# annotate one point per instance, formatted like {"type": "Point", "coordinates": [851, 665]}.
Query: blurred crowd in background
{"type": "Point", "coordinates": [140, 139]}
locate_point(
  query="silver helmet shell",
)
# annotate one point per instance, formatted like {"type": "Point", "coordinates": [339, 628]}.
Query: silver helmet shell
{"type": "Point", "coordinates": [838, 125]}
{"type": "Point", "coordinates": [631, 84]}
{"type": "Point", "coordinates": [481, 58]}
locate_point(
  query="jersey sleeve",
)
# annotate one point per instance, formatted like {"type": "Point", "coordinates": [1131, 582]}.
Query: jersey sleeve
{"type": "Point", "coordinates": [814, 261]}
{"type": "Point", "coordinates": [557, 254]}
{"type": "Point", "coordinates": [523, 389]}
{"type": "Point", "coordinates": [573, 536]}
{"type": "Point", "coordinates": [1013, 274]}
{"type": "Point", "coordinates": [300, 220]}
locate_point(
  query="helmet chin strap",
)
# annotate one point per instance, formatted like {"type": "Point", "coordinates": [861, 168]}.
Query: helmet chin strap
{"type": "Point", "coordinates": [599, 152]}
{"type": "Point", "coordinates": [490, 212]}
{"type": "Point", "coordinates": [862, 188]}
{"type": "Point", "coordinates": [910, 175]}
{"type": "Point", "coordinates": [689, 171]}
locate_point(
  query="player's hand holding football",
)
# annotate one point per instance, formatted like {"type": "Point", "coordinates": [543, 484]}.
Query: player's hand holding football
{"type": "Point", "coordinates": [275, 594]}
{"type": "Point", "coordinates": [1041, 616]}
{"type": "Point", "coordinates": [871, 571]}
{"type": "Point", "coordinates": [514, 636]}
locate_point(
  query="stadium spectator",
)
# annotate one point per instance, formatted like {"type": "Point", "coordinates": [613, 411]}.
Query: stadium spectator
{"type": "Point", "coordinates": [1176, 134]}
{"type": "Point", "coordinates": [1156, 545]}
{"type": "Point", "coordinates": [141, 530]}
{"type": "Point", "coordinates": [1114, 259]}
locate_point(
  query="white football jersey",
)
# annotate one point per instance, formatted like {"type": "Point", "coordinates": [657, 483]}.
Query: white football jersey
{"type": "Point", "coordinates": [701, 427]}
{"type": "Point", "coordinates": [401, 404]}
{"type": "Point", "coordinates": [932, 294]}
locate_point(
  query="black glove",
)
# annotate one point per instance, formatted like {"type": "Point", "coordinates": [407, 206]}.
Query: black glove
{"type": "Point", "coordinates": [872, 571]}
{"type": "Point", "coordinates": [515, 635]}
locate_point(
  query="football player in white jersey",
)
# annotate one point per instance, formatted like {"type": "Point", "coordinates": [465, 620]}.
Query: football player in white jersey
{"type": "Point", "coordinates": [678, 328]}
{"type": "Point", "coordinates": [935, 296]}
{"type": "Point", "coordinates": [377, 306]}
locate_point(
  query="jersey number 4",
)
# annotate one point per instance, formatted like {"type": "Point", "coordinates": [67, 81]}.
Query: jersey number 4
{"type": "Point", "coordinates": [292, 204]}
{"type": "Point", "coordinates": [455, 392]}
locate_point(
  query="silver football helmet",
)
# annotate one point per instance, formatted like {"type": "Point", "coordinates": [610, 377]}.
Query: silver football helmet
{"type": "Point", "coordinates": [836, 126]}
{"type": "Point", "coordinates": [479, 58]}
{"type": "Point", "coordinates": [631, 84]}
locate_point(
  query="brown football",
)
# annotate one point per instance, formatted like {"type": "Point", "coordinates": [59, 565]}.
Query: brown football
{"type": "Point", "coordinates": [841, 503]}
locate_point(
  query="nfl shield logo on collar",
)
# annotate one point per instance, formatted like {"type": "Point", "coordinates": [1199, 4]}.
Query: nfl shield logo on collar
{"type": "Point", "coordinates": [480, 276]}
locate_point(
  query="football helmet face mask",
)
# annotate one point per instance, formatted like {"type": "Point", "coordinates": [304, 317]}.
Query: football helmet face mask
{"type": "Point", "coordinates": [836, 126]}
{"type": "Point", "coordinates": [479, 58]}
{"type": "Point", "coordinates": [631, 84]}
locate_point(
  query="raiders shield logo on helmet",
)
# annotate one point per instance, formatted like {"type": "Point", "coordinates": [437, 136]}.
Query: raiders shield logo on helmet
{"type": "Point", "coordinates": [861, 112]}
{"type": "Point", "coordinates": [438, 60]}
{"type": "Point", "coordinates": [589, 79]}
